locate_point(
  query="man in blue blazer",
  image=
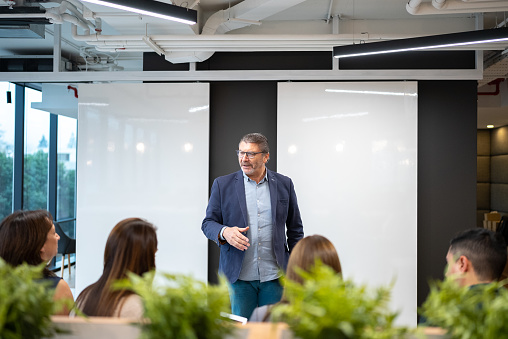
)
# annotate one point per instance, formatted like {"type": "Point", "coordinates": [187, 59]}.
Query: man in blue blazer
{"type": "Point", "coordinates": [253, 217]}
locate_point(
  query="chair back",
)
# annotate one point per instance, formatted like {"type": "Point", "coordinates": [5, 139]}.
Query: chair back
{"type": "Point", "coordinates": [66, 244]}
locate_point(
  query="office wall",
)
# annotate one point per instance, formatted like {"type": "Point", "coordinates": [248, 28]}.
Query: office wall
{"type": "Point", "coordinates": [446, 171]}
{"type": "Point", "coordinates": [143, 152]}
{"type": "Point", "coordinates": [492, 175]}
{"type": "Point", "coordinates": [483, 175]}
{"type": "Point", "coordinates": [350, 148]}
{"type": "Point", "coordinates": [498, 172]}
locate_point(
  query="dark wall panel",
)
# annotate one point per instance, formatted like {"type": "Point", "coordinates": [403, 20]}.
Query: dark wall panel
{"type": "Point", "coordinates": [412, 60]}
{"type": "Point", "coordinates": [267, 61]}
{"type": "Point", "coordinates": [446, 171]}
{"type": "Point", "coordinates": [499, 141]}
{"type": "Point", "coordinates": [238, 108]}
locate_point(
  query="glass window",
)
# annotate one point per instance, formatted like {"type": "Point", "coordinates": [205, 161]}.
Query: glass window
{"type": "Point", "coordinates": [66, 189]}
{"type": "Point", "coordinates": [7, 92]}
{"type": "Point", "coordinates": [35, 180]}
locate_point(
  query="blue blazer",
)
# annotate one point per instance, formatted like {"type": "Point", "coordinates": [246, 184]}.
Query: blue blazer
{"type": "Point", "coordinates": [228, 207]}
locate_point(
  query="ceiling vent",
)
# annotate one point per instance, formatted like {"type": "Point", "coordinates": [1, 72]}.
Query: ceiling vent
{"type": "Point", "coordinates": [16, 28]}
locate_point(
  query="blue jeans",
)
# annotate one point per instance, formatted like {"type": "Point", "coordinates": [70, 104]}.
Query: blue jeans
{"type": "Point", "coordinates": [245, 296]}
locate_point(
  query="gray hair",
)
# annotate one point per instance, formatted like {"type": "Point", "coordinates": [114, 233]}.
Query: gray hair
{"type": "Point", "coordinates": [257, 138]}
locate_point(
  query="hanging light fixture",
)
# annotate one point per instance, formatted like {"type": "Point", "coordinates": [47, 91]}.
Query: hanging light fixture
{"type": "Point", "coordinates": [423, 43]}
{"type": "Point", "coordinates": [152, 8]}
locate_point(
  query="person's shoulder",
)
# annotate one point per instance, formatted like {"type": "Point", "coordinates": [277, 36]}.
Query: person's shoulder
{"type": "Point", "coordinates": [53, 280]}
{"type": "Point", "coordinates": [130, 307]}
{"type": "Point", "coordinates": [229, 177]}
{"type": "Point", "coordinates": [278, 176]}
{"type": "Point", "coordinates": [63, 290]}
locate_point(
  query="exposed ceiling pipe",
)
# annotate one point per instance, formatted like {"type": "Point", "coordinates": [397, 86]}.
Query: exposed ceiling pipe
{"type": "Point", "coordinates": [328, 16]}
{"type": "Point", "coordinates": [54, 18]}
{"type": "Point", "coordinates": [236, 42]}
{"type": "Point", "coordinates": [248, 11]}
{"type": "Point", "coordinates": [67, 5]}
{"type": "Point", "coordinates": [438, 4]}
{"type": "Point", "coordinates": [496, 91]}
{"type": "Point", "coordinates": [57, 15]}
{"type": "Point", "coordinates": [413, 5]}
{"type": "Point", "coordinates": [416, 7]}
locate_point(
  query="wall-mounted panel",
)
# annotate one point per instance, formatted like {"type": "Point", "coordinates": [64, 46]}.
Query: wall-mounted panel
{"type": "Point", "coordinates": [143, 152]}
{"type": "Point", "coordinates": [351, 150]}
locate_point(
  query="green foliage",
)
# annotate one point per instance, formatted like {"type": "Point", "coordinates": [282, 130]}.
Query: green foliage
{"type": "Point", "coordinates": [35, 181]}
{"type": "Point", "coordinates": [326, 306]}
{"type": "Point", "coordinates": [184, 308]}
{"type": "Point", "coordinates": [479, 311]}
{"type": "Point", "coordinates": [6, 168]}
{"type": "Point", "coordinates": [66, 192]}
{"type": "Point", "coordinates": [25, 303]}
{"type": "Point", "coordinates": [36, 185]}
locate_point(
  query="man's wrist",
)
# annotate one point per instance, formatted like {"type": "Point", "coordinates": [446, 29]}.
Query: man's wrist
{"type": "Point", "coordinates": [221, 239]}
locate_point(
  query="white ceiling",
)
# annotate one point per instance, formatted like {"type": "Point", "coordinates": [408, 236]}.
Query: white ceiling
{"type": "Point", "coordinates": [310, 18]}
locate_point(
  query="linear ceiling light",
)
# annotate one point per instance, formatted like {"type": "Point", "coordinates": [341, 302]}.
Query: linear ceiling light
{"type": "Point", "coordinates": [422, 43]}
{"type": "Point", "coordinates": [152, 8]}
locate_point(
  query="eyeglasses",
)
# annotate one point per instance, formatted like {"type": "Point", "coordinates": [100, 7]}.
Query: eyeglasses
{"type": "Point", "coordinates": [249, 155]}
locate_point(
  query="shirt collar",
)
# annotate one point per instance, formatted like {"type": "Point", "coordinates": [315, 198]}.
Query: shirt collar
{"type": "Point", "coordinates": [262, 180]}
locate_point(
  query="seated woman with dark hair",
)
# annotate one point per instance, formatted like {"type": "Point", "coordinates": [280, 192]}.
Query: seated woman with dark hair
{"type": "Point", "coordinates": [304, 255]}
{"type": "Point", "coordinates": [30, 237]}
{"type": "Point", "coordinates": [130, 247]}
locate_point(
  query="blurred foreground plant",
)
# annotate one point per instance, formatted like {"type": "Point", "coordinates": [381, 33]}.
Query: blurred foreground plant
{"type": "Point", "coordinates": [183, 308]}
{"type": "Point", "coordinates": [479, 311]}
{"type": "Point", "coordinates": [26, 304]}
{"type": "Point", "coordinates": [326, 306]}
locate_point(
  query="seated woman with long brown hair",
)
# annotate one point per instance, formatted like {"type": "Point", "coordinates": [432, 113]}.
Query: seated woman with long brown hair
{"type": "Point", "coordinates": [304, 255]}
{"type": "Point", "coordinates": [130, 247]}
{"type": "Point", "coordinates": [30, 237]}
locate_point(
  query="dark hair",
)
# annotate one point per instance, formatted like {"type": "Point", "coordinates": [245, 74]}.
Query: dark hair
{"type": "Point", "coordinates": [130, 247]}
{"type": "Point", "coordinates": [257, 138]}
{"type": "Point", "coordinates": [22, 236]}
{"type": "Point", "coordinates": [484, 248]}
{"type": "Point", "coordinates": [305, 253]}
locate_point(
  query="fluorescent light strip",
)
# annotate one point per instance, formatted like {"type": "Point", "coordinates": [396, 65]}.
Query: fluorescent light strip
{"type": "Point", "coordinates": [370, 92]}
{"type": "Point", "coordinates": [141, 11]}
{"type": "Point", "coordinates": [336, 116]}
{"type": "Point", "coordinates": [423, 43]}
{"type": "Point", "coordinates": [197, 109]}
{"type": "Point", "coordinates": [421, 48]}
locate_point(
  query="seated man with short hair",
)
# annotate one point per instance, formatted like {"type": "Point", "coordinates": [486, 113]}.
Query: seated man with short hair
{"type": "Point", "coordinates": [476, 256]}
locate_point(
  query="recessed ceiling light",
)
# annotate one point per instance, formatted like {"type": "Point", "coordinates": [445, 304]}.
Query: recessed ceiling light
{"type": "Point", "coordinates": [490, 126]}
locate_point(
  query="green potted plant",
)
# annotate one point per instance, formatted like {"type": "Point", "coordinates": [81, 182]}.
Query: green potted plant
{"type": "Point", "coordinates": [180, 306]}
{"type": "Point", "coordinates": [480, 311]}
{"type": "Point", "coordinates": [26, 305]}
{"type": "Point", "coordinates": [326, 306]}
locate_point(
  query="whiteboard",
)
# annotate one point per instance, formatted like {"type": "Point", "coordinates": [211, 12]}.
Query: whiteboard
{"type": "Point", "coordinates": [143, 152]}
{"type": "Point", "coordinates": [351, 150]}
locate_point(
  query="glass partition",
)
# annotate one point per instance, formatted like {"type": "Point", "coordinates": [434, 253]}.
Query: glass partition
{"type": "Point", "coordinates": [35, 181]}
{"type": "Point", "coordinates": [66, 188]}
{"type": "Point", "coordinates": [7, 90]}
